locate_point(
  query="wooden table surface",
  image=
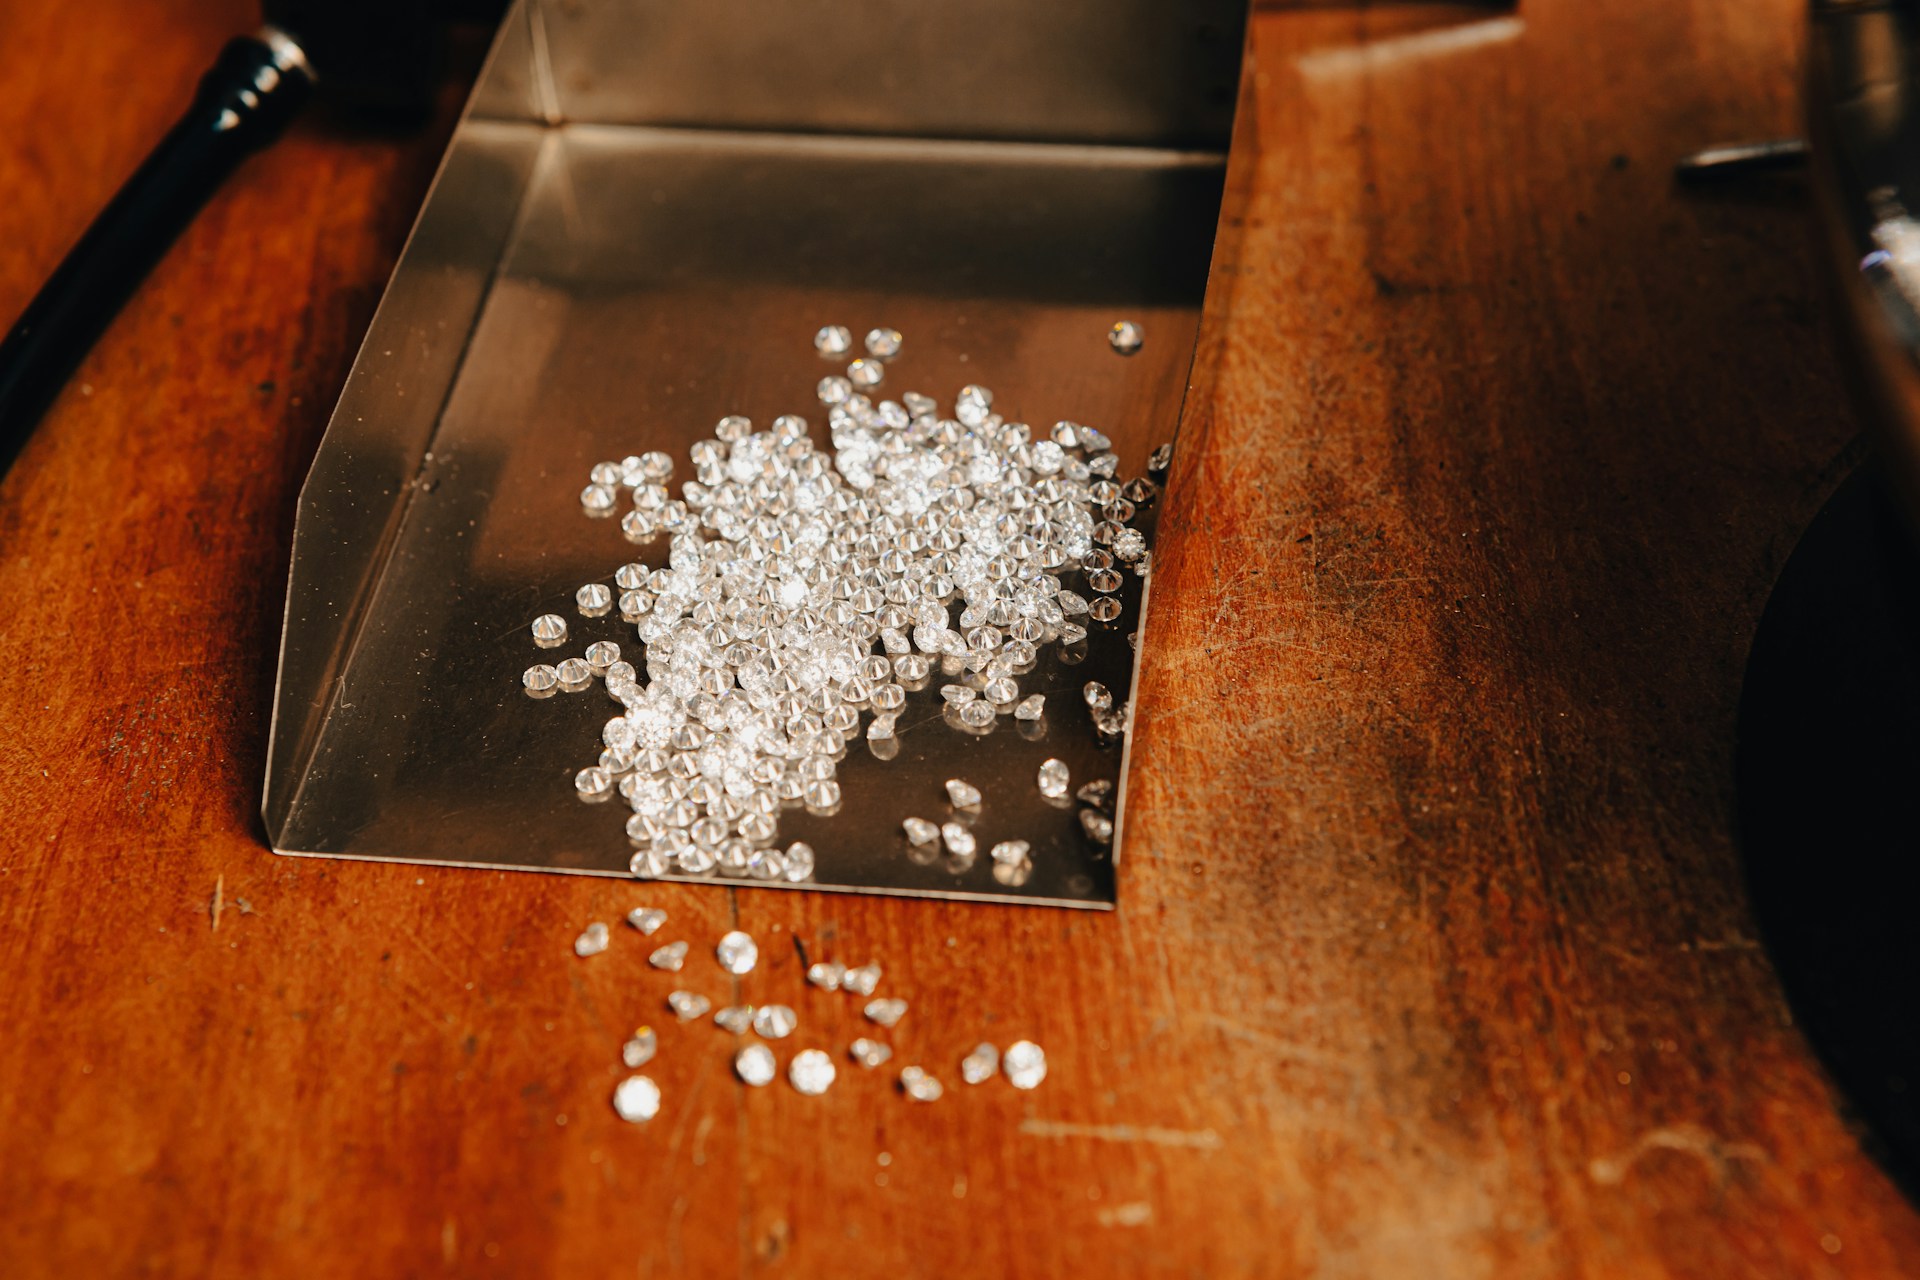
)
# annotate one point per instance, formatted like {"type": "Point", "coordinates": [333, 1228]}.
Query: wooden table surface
{"type": "Point", "coordinates": [1432, 958]}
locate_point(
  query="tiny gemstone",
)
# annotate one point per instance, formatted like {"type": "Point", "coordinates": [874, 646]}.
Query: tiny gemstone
{"type": "Point", "coordinates": [601, 655]}
{"type": "Point", "coordinates": [1160, 459]}
{"type": "Point", "coordinates": [833, 341]}
{"type": "Point", "coordinates": [1071, 633]}
{"type": "Point", "coordinates": [574, 674]}
{"type": "Point", "coordinates": [861, 981]}
{"type": "Point", "coordinates": [1095, 793]}
{"type": "Point", "coordinates": [977, 715]}
{"type": "Point", "coordinates": [1110, 726]}
{"type": "Point", "coordinates": [737, 953]}
{"type": "Point", "coordinates": [822, 795]}
{"type": "Point", "coordinates": [881, 728]}
{"type": "Point", "coordinates": [957, 695]}
{"type": "Point", "coordinates": [827, 975]}
{"type": "Point", "coordinates": [639, 1051]}
{"type": "Point", "coordinates": [834, 390]}
{"type": "Point", "coordinates": [963, 795]}
{"type": "Point", "coordinates": [1129, 545]}
{"type": "Point", "coordinates": [754, 1065]}
{"type": "Point", "coordinates": [1098, 696]}
{"type": "Point", "coordinates": [1140, 491]}
{"type": "Point", "coordinates": [920, 831]}
{"type": "Point", "coordinates": [1104, 609]}
{"type": "Point", "coordinates": [646, 919]}
{"type": "Point", "coordinates": [1098, 826]}
{"type": "Point", "coordinates": [592, 942]}
{"type": "Point", "coordinates": [1011, 852]}
{"type": "Point", "coordinates": [1125, 337]}
{"type": "Point", "coordinates": [736, 1018]}
{"type": "Point", "coordinates": [886, 1012]}
{"type": "Point", "coordinates": [597, 498]}
{"type": "Point", "coordinates": [592, 781]}
{"type": "Point", "coordinates": [1053, 779]}
{"type": "Point", "coordinates": [1031, 707]}
{"type": "Point", "coordinates": [549, 628]}
{"type": "Point", "coordinates": [1105, 581]}
{"type": "Point", "coordinates": [959, 840]}
{"type": "Point", "coordinates": [869, 1053]}
{"type": "Point", "coordinates": [980, 1065]}
{"type": "Point", "coordinates": [865, 373]}
{"type": "Point", "coordinates": [636, 1099]}
{"type": "Point", "coordinates": [594, 599]}
{"type": "Point", "coordinates": [540, 678]}
{"type": "Point", "coordinates": [919, 1086]}
{"type": "Point", "coordinates": [669, 957]}
{"type": "Point", "coordinates": [810, 1072]}
{"type": "Point", "coordinates": [1025, 1064]}
{"type": "Point", "coordinates": [799, 862]}
{"type": "Point", "coordinates": [774, 1021]}
{"type": "Point", "coordinates": [687, 1005]}
{"type": "Point", "coordinates": [883, 344]}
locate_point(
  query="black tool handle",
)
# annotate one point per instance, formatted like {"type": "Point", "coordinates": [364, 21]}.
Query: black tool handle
{"type": "Point", "coordinates": [244, 101]}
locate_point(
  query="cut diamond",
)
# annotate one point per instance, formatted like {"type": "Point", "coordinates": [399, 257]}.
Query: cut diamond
{"type": "Point", "coordinates": [810, 1072]}
{"type": "Point", "coordinates": [687, 1006]}
{"type": "Point", "coordinates": [754, 1065]}
{"type": "Point", "coordinates": [869, 1053]}
{"type": "Point", "coordinates": [592, 942]}
{"type": "Point", "coordinates": [1098, 696]}
{"type": "Point", "coordinates": [1011, 852]}
{"type": "Point", "coordinates": [980, 1065]}
{"type": "Point", "coordinates": [549, 629]}
{"type": "Point", "coordinates": [827, 975]}
{"type": "Point", "coordinates": [1031, 707]}
{"type": "Point", "coordinates": [646, 919]}
{"type": "Point", "coordinates": [833, 341]}
{"type": "Point", "coordinates": [1053, 779]}
{"type": "Point", "coordinates": [1095, 793]}
{"type": "Point", "coordinates": [540, 678]}
{"type": "Point", "coordinates": [963, 794]}
{"type": "Point", "coordinates": [918, 1085]}
{"type": "Point", "coordinates": [883, 344]}
{"type": "Point", "coordinates": [669, 957]}
{"type": "Point", "coordinates": [886, 1012]}
{"type": "Point", "coordinates": [592, 781]}
{"type": "Point", "coordinates": [638, 1051]}
{"type": "Point", "coordinates": [1097, 825]}
{"type": "Point", "coordinates": [737, 953]}
{"type": "Point", "coordinates": [920, 831]}
{"type": "Point", "coordinates": [594, 599]}
{"type": "Point", "coordinates": [636, 1099]}
{"type": "Point", "coordinates": [959, 840]}
{"type": "Point", "coordinates": [1025, 1064]}
{"type": "Point", "coordinates": [737, 1018]}
{"type": "Point", "coordinates": [1125, 337]}
{"type": "Point", "coordinates": [774, 1022]}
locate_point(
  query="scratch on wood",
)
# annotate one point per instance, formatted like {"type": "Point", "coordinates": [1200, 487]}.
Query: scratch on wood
{"type": "Point", "coordinates": [1713, 1151]}
{"type": "Point", "coordinates": [219, 894]}
{"type": "Point", "coordinates": [1136, 1213]}
{"type": "Point", "coordinates": [1196, 1139]}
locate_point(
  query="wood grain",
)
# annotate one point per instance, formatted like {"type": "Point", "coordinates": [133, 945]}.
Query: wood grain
{"type": "Point", "coordinates": [1431, 961]}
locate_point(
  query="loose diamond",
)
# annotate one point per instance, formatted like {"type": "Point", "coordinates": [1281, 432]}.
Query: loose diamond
{"type": "Point", "coordinates": [1053, 779]}
{"type": "Point", "coordinates": [639, 1050]}
{"type": "Point", "coordinates": [1105, 609]}
{"type": "Point", "coordinates": [810, 1072]}
{"type": "Point", "coordinates": [1129, 545]}
{"type": "Point", "coordinates": [592, 942]}
{"type": "Point", "coordinates": [774, 1022]}
{"type": "Point", "coordinates": [636, 1099]}
{"type": "Point", "coordinates": [1011, 852]}
{"type": "Point", "coordinates": [920, 831]}
{"type": "Point", "coordinates": [865, 373]}
{"type": "Point", "coordinates": [549, 629]}
{"type": "Point", "coordinates": [799, 862]}
{"type": "Point", "coordinates": [669, 957]}
{"type": "Point", "coordinates": [592, 782]}
{"type": "Point", "coordinates": [977, 715]}
{"type": "Point", "coordinates": [1096, 793]}
{"type": "Point", "coordinates": [574, 674]}
{"type": "Point", "coordinates": [827, 975]}
{"type": "Point", "coordinates": [1125, 337]}
{"type": "Point", "coordinates": [594, 599]}
{"type": "Point", "coordinates": [919, 1086]}
{"type": "Point", "coordinates": [861, 981]}
{"type": "Point", "coordinates": [959, 840]}
{"type": "Point", "coordinates": [886, 1012]}
{"type": "Point", "coordinates": [737, 1018]}
{"type": "Point", "coordinates": [646, 919]}
{"type": "Point", "coordinates": [737, 953]}
{"type": "Point", "coordinates": [880, 728]}
{"type": "Point", "coordinates": [958, 695]}
{"type": "Point", "coordinates": [980, 1065]}
{"type": "Point", "coordinates": [833, 341]}
{"type": "Point", "coordinates": [1098, 696]}
{"type": "Point", "coordinates": [963, 795]}
{"type": "Point", "coordinates": [687, 1005]}
{"type": "Point", "coordinates": [883, 344]}
{"type": "Point", "coordinates": [540, 678]}
{"type": "Point", "coordinates": [1025, 1064]}
{"type": "Point", "coordinates": [1031, 707]}
{"type": "Point", "coordinates": [1097, 825]}
{"type": "Point", "coordinates": [754, 1065]}
{"type": "Point", "coordinates": [869, 1053]}
{"type": "Point", "coordinates": [601, 655]}
{"type": "Point", "coordinates": [1160, 459]}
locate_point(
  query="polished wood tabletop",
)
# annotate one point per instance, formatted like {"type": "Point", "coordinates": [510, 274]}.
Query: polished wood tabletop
{"type": "Point", "coordinates": [1431, 959]}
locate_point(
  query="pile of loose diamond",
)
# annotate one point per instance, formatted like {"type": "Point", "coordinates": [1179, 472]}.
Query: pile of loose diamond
{"type": "Point", "coordinates": [807, 589]}
{"type": "Point", "coordinates": [810, 1071]}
